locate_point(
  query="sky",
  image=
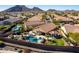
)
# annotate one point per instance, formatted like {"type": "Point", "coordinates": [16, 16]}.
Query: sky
{"type": "Point", "coordinates": [46, 7]}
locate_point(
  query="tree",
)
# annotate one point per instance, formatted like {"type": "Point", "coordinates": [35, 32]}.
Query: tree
{"type": "Point", "coordinates": [2, 44]}
{"type": "Point", "coordinates": [43, 17]}
{"type": "Point", "coordinates": [2, 27]}
{"type": "Point", "coordinates": [56, 22]}
{"type": "Point", "coordinates": [65, 15]}
{"type": "Point", "coordinates": [29, 28]}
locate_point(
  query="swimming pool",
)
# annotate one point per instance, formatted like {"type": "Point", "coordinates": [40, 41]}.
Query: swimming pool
{"type": "Point", "coordinates": [33, 39]}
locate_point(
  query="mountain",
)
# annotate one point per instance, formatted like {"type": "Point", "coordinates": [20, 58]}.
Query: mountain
{"type": "Point", "coordinates": [22, 8]}
{"type": "Point", "coordinates": [36, 9]}
{"type": "Point", "coordinates": [51, 10]}
{"type": "Point", "coordinates": [18, 8]}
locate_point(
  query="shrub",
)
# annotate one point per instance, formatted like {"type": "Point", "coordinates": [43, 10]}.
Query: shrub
{"type": "Point", "coordinates": [2, 27]}
{"type": "Point", "coordinates": [29, 28]}
{"type": "Point", "coordinates": [56, 22]}
{"type": "Point", "coordinates": [2, 44]}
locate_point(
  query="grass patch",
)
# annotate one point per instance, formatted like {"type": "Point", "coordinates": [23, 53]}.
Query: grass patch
{"type": "Point", "coordinates": [57, 42]}
{"type": "Point", "coordinates": [74, 36]}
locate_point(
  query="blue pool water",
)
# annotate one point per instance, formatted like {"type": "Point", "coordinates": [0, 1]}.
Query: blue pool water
{"type": "Point", "coordinates": [31, 39]}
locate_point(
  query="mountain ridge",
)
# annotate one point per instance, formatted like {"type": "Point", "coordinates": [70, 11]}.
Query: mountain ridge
{"type": "Point", "coordinates": [22, 8]}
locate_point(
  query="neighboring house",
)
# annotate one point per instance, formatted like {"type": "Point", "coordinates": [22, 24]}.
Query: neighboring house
{"type": "Point", "coordinates": [11, 20]}
{"type": "Point", "coordinates": [74, 17]}
{"type": "Point", "coordinates": [63, 19]}
{"type": "Point", "coordinates": [71, 28]}
{"type": "Point", "coordinates": [35, 18]}
{"type": "Point", "coordinates": [36, 23]}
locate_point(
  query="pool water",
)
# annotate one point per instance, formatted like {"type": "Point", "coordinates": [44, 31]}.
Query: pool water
{"type": "Point", "coordinates": [31, 39]}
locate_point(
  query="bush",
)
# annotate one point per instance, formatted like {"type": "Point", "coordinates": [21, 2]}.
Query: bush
{"type": "Point", "coordinates": [2, 44]}
{"type": "Point", "coordinates": [56, 22]}
{"type": "Point", "coordinates": [2, 27]}
{"type": "Point", "coordinates": [29, 28]}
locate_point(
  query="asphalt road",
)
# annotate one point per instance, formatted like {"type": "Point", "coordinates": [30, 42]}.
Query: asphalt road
{"type": "Point", "coordinates": [34, 50]}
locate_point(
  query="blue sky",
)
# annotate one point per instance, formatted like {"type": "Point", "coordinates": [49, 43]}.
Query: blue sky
{"type": "Point", "coordinates": [46, 7]}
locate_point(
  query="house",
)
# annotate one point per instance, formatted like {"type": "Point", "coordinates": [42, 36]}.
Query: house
{"type": "Point", "coordinates": [63, 19]}
{"type": "Point", "coordinates": [33, 21]}
{"type": "Point", "coordinates": [71, 28]}
{"type": "Point", "coordinates": [36, 23]}
{"type": "Point", "coordinates": [49, 29]}
{"type": "Point", "coordinates": [11, 20]}
{"type": "Point", "coordinates": [35, 18]}
{"type": "Point", "coordinates": [73, 17]}
{"type": "Point", "coordinates": [45, 28]}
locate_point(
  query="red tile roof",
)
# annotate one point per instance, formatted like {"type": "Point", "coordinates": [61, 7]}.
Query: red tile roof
{"type": "Point", "coordinates": [61, 18]}
{"type": "Point", "coordinates": [71, 28]}
{"type": "Point", "coordinates": [35, 18]}
{"type": "Point", "coordinates": [46, 27]}
{"type": "Point", "coordinates": [34, 23]}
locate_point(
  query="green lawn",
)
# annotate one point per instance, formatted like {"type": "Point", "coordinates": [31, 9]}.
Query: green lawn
{"type": "Point", "coordinates": [57, 42]}
{"type": "Point", "coordinates": [74, 36]}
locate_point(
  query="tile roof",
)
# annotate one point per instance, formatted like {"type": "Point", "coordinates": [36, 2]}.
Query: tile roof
{"type": "Point", "coordinates": [71, 28]}
{"type": "Point", "coordinates": [63, 18]}
{"type": "Point", "coordinates": [33, 23]}
{"type": "Point", "coordinates": [46, 27]}
{"type": "Point", "coordinates": [35, 18]}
